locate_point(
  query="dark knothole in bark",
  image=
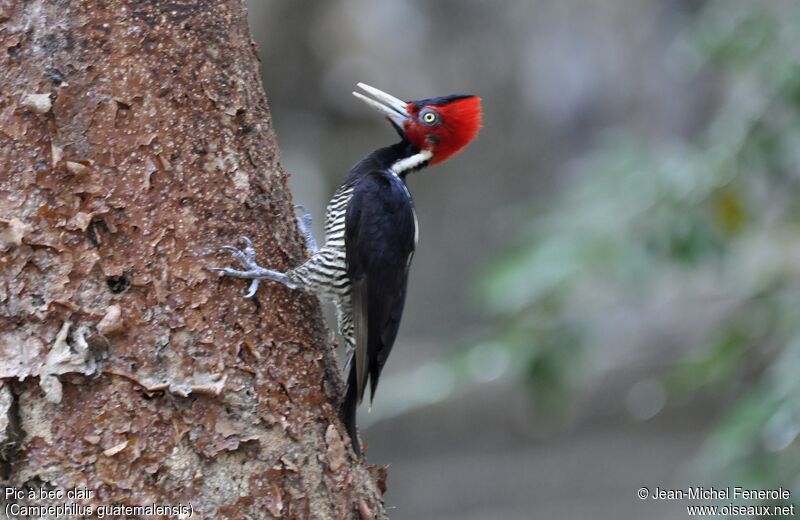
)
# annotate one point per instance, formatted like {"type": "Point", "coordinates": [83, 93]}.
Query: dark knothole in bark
{"type": "Point", "coordinates": [95, 230]}
{"type": "Point", "coordinates": [117, 284]}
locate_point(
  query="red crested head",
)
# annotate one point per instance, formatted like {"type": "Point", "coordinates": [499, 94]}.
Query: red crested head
{"type": "Point", "coordinates": [444, 126]}
{"type": "Point", "coordinates": [437, 127]}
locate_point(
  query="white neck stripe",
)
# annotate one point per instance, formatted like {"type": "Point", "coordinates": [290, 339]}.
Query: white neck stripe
{"type": "Point", "coordinates": [411, 162]}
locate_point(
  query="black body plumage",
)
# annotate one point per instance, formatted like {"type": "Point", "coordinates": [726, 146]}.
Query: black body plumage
{"type": "Point", "coordinates": [371, 233]}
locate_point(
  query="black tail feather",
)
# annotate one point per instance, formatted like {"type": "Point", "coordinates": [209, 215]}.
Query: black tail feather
{"type": "Point", "coordinates": [349, 406]}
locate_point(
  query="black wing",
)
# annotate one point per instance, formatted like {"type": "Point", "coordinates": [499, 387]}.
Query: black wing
{"type": "Point", "coordinates": [380, 229]}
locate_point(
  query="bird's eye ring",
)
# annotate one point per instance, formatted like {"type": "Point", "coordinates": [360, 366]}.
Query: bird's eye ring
{"type": "Point", "coordinates": [429, 117]}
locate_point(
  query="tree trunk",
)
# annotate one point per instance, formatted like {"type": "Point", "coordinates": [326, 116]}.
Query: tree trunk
{"type": "Point", "coordinates": [135, 140]}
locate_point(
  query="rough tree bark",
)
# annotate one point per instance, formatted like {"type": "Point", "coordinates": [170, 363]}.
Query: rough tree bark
{"type": "Point", "coordinates": [135, 140]}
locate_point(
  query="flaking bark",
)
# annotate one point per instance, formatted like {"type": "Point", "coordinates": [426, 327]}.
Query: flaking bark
{"type": "Point", "coordinates": [135, 140]}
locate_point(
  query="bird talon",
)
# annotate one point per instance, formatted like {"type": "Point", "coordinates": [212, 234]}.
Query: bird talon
{"type": "Point", "coordinates": [306, 215]}
{"type": "Point", "coordinates": [249, 251]}
{"type": "Point", "coordinates": [304, 222]}
{"type": "Point", "coordinates": [252, 289]}
{"type": "Point", "coordinates": [246, 258]}
{"type": "Point", "coordinates": [225, 271]}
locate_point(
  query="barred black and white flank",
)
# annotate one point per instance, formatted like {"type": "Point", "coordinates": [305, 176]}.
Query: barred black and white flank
{"type": "Point", "coordinates": [371, 233]}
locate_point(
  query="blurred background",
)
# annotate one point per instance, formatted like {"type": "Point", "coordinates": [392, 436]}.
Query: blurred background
{"type": "Point", "coordinates": [606, 290]}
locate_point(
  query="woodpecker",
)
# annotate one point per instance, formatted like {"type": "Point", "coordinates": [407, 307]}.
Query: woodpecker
{"type": "Point", "coordinates": [371, 233]}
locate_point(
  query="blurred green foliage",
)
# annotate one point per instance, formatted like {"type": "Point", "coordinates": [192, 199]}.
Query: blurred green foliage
{"type": "Point", "coordinates": [712, 221]}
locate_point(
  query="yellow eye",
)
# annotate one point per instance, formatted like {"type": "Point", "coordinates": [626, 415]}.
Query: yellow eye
{"type": "Point", "coordinates": [429, 117]}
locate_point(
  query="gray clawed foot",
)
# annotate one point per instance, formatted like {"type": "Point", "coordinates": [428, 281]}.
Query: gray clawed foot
{"type": "Point", "coordinates": [304, 222]}
{"type": "Point", "coordinates": [246, 256]}
{"type": "Point", "coordinates": [252, 271]}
